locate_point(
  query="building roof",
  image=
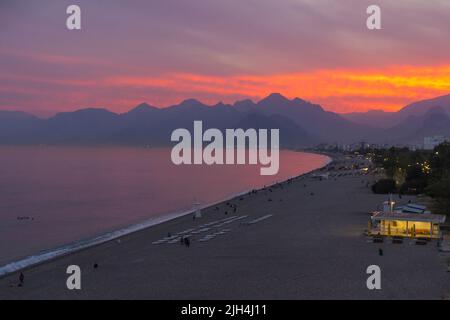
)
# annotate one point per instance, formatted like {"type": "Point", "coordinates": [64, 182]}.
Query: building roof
{"type": "Point", "coordinates": [401, 216]}
{"type": "Point", "coordinates": [412, 208]}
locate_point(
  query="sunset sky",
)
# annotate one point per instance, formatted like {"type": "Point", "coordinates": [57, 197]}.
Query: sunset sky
{"type": "Point", "coordinates": [165, 51]}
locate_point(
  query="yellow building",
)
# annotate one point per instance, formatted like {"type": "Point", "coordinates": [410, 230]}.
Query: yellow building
{"type": "Point", "coordinates": [401, 224]}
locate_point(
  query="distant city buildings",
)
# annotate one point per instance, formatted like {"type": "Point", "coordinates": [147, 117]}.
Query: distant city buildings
{"type": "Point", "coordinates": [429, 143]}
{"type": "Point", "coordinates": [357, 146]}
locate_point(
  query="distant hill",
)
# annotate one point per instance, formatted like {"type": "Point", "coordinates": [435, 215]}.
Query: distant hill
{"type": "Point", "coordinates": [301, 123]}
{"type": "Point", "coordinates": [382, 119]}
{"type": "Point", "coordinates": [291, 135]}
{"type": "Point", "coordinates": [377, 118]}
{"type": "Point", "coordinates": [412, 130]}
{"type": "Point", "coordinates": [325, 126]}
{"type": "Point", "coordinates": [15, 115]}
{"type": "Point", "coordinates": [420, 108]}
{"type": "Point", "coordinates": [15, 124]}
{"type": "Point", "coordinates": [143, 125]}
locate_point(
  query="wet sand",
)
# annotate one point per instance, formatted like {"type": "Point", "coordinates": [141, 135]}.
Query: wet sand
{"type": "Point", "coordinates": [304, 240]}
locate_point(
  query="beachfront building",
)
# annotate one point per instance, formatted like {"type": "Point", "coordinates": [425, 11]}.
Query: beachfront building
{"type": "Point", "coordinates": [408, 221]}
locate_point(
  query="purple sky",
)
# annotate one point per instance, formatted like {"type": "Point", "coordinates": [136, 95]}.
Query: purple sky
{"type": "Point", "coordinates": [45, 68]}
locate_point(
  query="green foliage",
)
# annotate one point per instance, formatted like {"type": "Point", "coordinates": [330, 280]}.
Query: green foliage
{"type": "Point", "coordinates": [440, 190]}
{"type": "Point", "coordinates": [417, 172]}
{"type": "Point", "coordinates": [440, 161]}
{"type": "Point", "coordinates": [413, 186]}
{"type": "Point", "coordinates": [384, 186]}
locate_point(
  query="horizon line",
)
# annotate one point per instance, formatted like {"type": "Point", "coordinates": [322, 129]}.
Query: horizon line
{"type": "Point", "coordinates": [52, 113]}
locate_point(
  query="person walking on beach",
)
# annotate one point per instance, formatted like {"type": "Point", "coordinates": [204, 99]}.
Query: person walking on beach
{"type": "Point", "coordinates": [21, 279]}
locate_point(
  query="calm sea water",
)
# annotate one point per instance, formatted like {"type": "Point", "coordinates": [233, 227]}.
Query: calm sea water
{"type": "Point", "coordinates": [71, 193]}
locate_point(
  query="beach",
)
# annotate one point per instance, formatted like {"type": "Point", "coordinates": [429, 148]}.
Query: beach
{"type": "Point", "coordinates": [301, 239]}
{"type": "Point", "coordinates": [60, 196]}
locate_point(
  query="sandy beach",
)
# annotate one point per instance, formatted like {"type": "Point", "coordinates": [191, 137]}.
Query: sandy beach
{"type": "Point", "coordinates": [298, 240]}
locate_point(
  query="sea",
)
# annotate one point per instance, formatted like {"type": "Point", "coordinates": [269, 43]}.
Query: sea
{"type": "Point", "coordinates": [55, 199]}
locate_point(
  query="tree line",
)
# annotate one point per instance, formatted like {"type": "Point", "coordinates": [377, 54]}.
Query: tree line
{"type": "Point", "coordinates": [415, 172]}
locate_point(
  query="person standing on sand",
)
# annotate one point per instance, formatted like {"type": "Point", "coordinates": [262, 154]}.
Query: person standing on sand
{"type": "Point", "coordinates": [21, 279]}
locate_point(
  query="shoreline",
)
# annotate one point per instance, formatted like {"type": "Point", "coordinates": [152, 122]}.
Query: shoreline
{"type": "Point", "coordinates": [301, 239]}
{"type": "Point", "coordinates": [47, 256]}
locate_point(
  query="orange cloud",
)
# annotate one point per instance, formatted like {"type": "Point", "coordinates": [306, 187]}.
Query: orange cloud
{"type": "Point", "coordinates": [338, 90]}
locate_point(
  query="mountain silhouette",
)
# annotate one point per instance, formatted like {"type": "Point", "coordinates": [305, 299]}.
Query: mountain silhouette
{"type": "Point", "coordinates": [383, 119]}
{"type": "Point", "coordinates": [415, 127]}
{"type": "Point", "coordinates": [301, 123]}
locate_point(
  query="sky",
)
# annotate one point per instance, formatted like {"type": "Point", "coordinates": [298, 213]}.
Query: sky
{"type": "Point", "coordinates": [164, 51]}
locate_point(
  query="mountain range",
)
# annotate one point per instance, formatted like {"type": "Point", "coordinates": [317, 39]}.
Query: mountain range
{"type": "Point", "coordinates": [410, 124]}
{"type": "Point", "coordinates": [301, 123]}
